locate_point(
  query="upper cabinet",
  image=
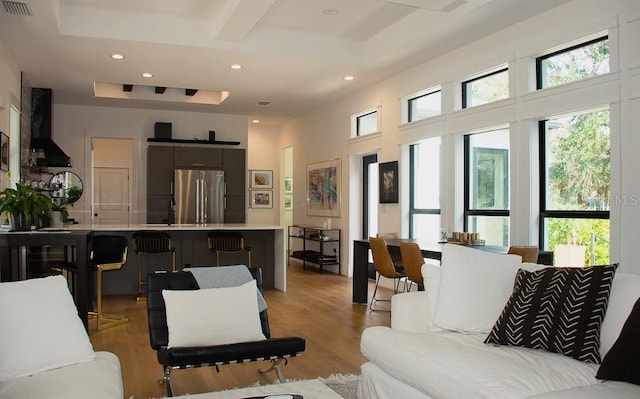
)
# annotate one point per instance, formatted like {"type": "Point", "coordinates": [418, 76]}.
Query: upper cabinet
{"type": "Point", "coordinates": [195, 158]}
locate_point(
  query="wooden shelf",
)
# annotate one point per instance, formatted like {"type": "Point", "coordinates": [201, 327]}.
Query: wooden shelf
{"type": "Point", "coordinates": [194, 141]}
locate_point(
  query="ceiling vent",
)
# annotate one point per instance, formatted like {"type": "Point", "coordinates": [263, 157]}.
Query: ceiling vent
{"type": "Point", "coordinates": [264, 103]}
{"type": "Point", "coordinates": [17, 8]}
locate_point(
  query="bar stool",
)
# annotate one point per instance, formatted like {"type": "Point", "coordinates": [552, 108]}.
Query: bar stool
{"type": "Point", "coordinates": [108, 252]}
{"type": "Point", "coordinates": [151, 242]}
{"type": "Point", "coordinates": [227, 242]}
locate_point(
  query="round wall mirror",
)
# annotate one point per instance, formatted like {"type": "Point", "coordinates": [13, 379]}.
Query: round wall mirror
{"type": "Point", "coordinates": [67, 186]}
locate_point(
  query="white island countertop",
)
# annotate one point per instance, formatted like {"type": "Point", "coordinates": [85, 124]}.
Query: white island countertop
{"type": "Point", "coordinates": [166, 227]}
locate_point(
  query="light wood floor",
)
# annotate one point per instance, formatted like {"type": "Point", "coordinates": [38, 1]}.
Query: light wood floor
{"type": "Point", "coordinates": [316, 306]}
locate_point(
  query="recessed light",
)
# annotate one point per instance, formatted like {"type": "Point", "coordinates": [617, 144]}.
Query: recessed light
{"type": "Point", "coordinates": [147, 75]}
{"type": "Point", "coordinates": [255, 121]}
{"type": "Point", "coordinates": [330, 11]}
{"type": "Point", "coordinates": [235, 66]}
{"type": "Point", "coordinates": [348, 77]}
{"type": "Point", "coordinates": [117, 56]}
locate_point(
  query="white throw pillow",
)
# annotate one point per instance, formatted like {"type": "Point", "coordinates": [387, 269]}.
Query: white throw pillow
{"type": "Point", "coordinates": [474, 287]}
{"type": "Point", "coordinates": [213, 316]}
{"type": "Point", "coordinates": [39, 328]}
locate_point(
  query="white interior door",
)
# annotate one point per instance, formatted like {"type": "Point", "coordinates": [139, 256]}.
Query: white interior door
{"type": "Point", "coordinates": [111, 195]}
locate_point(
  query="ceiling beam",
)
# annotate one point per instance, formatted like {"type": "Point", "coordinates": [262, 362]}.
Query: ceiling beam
{"type": "Point", "coordinates": [238, 17]}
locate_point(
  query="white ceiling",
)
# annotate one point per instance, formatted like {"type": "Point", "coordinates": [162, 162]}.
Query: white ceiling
{"type": "Point", "coordinates": [294, 53]}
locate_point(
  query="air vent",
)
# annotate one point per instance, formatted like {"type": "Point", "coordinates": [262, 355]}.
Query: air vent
{"type": "Point", "coordinates": [17, 8]}
{"type": "Point", "coordinates": [264, 103]}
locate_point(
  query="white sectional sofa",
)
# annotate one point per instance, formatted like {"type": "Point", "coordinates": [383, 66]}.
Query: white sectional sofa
{"type": "Point", "coordinates": [435, 346]}
{"type": "Point", "coordinates": [45, 350]}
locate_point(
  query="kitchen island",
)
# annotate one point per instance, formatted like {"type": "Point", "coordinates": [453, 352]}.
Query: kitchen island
{"type": "Point", "coordinates": [267, 242]}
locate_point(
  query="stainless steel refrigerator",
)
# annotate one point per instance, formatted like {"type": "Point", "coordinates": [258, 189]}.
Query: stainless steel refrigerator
{"type": "Point", "coordinates": [199, 196]}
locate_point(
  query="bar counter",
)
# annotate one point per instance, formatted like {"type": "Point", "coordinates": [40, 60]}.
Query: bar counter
{"type": "Point", "coordinates": [267, 242]}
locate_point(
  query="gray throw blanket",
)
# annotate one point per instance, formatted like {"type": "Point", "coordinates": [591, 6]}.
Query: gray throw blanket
{"type": "Point", "coordinates": [224, 276]}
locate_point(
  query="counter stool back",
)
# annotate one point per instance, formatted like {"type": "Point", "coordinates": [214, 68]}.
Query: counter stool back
{"type": "Point", "coordinates": [227, 242]}
{"type": "Point", "coordinates": [151, 242]}
{"type": "Point", "coordinates": [108, 252]}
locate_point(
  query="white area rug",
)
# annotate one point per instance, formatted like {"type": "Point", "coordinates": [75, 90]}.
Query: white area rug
{"type": "Point", "coordinates": [344, 385]}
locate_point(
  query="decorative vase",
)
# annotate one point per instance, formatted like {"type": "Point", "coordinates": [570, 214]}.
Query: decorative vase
{"type": "Point", "coordinates": [18, 222]}
{"type": "Point", "coordinates": [56, 219]}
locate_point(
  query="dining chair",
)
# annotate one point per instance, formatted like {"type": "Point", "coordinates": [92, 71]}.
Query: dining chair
{"type": "Point", "coordinates": [412, 260]}
{"type": "Point", "coordinates": [395, 255]}
{"type": "Point", "coordinates": [383, 264]}
{"type": "Point", "coordinates": [529, 254]}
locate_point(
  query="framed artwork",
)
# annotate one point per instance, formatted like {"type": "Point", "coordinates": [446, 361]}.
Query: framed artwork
{"type": "Point", "coordinates": [261, 179]}
{"type": "Point", "coordinates": [261, 199]}
{"type": "Point", "coordinates": [288, 202]}
{"type": "Point", "coordinates": [4, 151]}
{"type": "Point", "coordinates": [388, 181]}
{"type": "Point", "coordinates": [324, 188]}
{"type": "Point", "coordinates": [288, 184]}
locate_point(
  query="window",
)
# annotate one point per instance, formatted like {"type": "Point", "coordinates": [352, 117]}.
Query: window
{"type": "Point", "coordinates": [424, 105]}
{"type": "Point", "coordinates": [487, 185]}
{"type": "Point", "coordinates": [424, 206]}
{"type": "Point", "coordinates": [573, 63]}
{"type": "Point", "coordinates": [575, 174]}
{"type": "Point", "coordinates": [364, 123]}
{"type": "Point", "coordinates": [485, 89]}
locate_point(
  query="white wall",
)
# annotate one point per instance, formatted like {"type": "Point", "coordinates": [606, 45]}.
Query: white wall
{"type": "Point", "coordinates": [264, 154]}
{"type": "Point", "coordinates": [325, 134]}
{"type": "Point", "coordinates": [9, 96]}
{"type": "Point", "coordinates": [74, 126]}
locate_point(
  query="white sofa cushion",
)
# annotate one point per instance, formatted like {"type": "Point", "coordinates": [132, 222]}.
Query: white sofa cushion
{"type": "Point", "coordinates": [213, 316]}
{"type": "Point", "coordinates": [474, 287]}
{"type": "Point", "coordinates": [624, 293]}
{"type": "Point", "coordinates": [40, 329]}
{"type": "Point", "coordinates": [453, 365]}
{"type": "Point", "coordinates": [100, 378]}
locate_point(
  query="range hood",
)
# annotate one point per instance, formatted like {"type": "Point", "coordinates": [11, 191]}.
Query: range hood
{"type": "Point", "coordinates": [41, 124]}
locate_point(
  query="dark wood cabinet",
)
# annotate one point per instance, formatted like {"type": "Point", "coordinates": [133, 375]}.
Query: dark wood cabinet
{"type": "Point", "coordinates": [198, 158]}
{"type": "Point", "coordinates": [159, 181]}
{"type": "Point", "coordinates": [235, 174]}
{"type": "Point", "coordinates": [163, 160]}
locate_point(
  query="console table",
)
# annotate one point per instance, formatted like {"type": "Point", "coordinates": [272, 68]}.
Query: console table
{"type": "Point", "coordinates": [429, 249]}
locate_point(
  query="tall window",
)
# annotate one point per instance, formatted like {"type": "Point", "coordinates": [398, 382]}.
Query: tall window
{"type": "Point", "coordinates": [487, 185]}
{"type": "Point", "coordinates": [575, 187]}
{"type": "Point", "coordinates": [573, 63]}
{"type": "Point", "coordinates": [485, 89]}
{"type": "Point", "coordinates": [364, 123]}
{"type": "Point", "coordinates": [424, 105]}
{"type": "Point", "coordinates": [424, 207]}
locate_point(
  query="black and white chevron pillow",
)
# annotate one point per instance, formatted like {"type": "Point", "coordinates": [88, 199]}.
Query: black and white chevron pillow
{"type": "Point", "coordinates": [557, 309]}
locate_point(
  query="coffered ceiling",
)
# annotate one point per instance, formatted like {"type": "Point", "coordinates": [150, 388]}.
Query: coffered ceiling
{"type": "Point", "coordinates": [294, 53]}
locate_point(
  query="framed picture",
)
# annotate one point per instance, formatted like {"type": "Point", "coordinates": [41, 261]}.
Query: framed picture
{"type": "Point", "coordinates": [288, 202]}
{"type": "Point", "coordinates": [288, 185]}
{"type": "Point", "coordinates": [388, 181]}
{"type": "Point", "coordinates": [324, 188]}
{"type": "Point", "coordinates": [4, 151]}
{"type": "Point", "coordinates": [261, 179]}
{"type": "Point", "coordinates": [261, 199]}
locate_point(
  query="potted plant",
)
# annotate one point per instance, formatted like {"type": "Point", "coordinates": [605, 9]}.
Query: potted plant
{"type": "Point", "coordinates": [59, 214]}
{"type": "Point", "coordinates": [24, 207]}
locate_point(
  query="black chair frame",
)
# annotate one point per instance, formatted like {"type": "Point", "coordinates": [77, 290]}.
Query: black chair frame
{"type": "Point", "coordinates": [271, 349]}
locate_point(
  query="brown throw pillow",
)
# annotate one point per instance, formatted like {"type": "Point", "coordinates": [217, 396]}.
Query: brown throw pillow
{"type": "Point", "coordinates": [622, 362]}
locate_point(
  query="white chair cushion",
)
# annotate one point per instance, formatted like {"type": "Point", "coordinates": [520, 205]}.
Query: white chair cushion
{"type": "Point", "coordinates": [213, 316]}
{"type": "Point", "coordinates": [40, 328]}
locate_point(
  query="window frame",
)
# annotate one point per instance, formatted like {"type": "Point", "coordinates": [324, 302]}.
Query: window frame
{"type": "Point", "coordinates": [555, 214]}
{"type": "Point", "coordinates": [419, 95]}
{"type": "Point", "coordinates": [540, 59]}
{"type": "Point", "coordinates": [355, 122]}
{"type": "Point", "coordinates": [412, 190]}
{"type": "Point", "coordinates": [468, 211]}
{"type": "Point", "coordinates": [465, 83]}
